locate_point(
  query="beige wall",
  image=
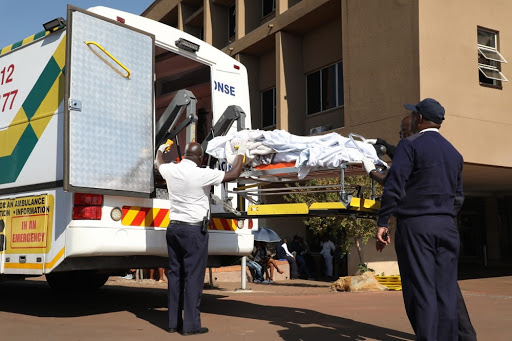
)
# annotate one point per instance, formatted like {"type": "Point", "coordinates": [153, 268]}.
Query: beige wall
{"type": "Point", "coordinates": [252, 64]}
{"type": "Point", "coordinates": [322, 46]}
{"type": "Point", "coordinates": [380, 40]}
{"type": "Point", "coordinates": [384, 263]}
{"type": "Point", "coordinates": [478, 120]}
{"type": "Point", "coordinates": [267, 70]}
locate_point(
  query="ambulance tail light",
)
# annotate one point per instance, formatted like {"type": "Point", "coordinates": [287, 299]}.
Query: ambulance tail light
{"type": "Point", "coordinates": [88, 199]}
{"type": "Point", "coordinates": [251, 224]}
{"type": "Point", "coordinates": [87, 206]}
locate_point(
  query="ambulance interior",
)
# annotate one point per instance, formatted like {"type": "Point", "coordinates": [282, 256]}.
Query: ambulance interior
{"type": "Point", "coordinates": [173, 73]}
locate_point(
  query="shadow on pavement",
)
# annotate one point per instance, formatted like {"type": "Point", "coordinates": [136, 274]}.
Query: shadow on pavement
{"type": "Point", "coordinates": [35, 298]}
{"type": "Point", "coordinates": [301, 324]}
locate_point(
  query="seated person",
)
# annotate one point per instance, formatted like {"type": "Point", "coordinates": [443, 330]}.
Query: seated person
{"type": "Point", "coordinates": [255, 267]}
{"type": "Point", "coordinates": [266, 259]}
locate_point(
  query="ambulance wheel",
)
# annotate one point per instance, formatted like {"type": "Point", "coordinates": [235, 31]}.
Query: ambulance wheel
{"type": "Point", "coordinates": [76, 280]}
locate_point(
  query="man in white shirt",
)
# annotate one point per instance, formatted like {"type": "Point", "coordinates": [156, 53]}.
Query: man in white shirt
{"type": "Point", "coordinates": [187, 244]}
{"type": "Point", "coordinates": [327, 252]}
{"type": "Point", "coordinates": [283, 253]}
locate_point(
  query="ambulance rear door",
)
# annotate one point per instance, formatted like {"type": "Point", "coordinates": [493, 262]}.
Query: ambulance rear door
{"type": "Point", "coordinates": [108, 139]}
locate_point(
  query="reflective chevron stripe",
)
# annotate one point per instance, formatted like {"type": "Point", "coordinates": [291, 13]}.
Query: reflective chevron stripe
{"type": "Point", "coordinates": [28, 40]}
{"type": "Point", "coordinates": [223, 224]}
{"type": "Point", "coordinates": [145, 216]}
{"type": "Point", "coordinates": [25, 41]}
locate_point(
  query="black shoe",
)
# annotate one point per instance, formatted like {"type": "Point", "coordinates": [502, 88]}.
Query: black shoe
{"type": "Point", "coordinates": [172, 330]}
{"type": "Point", "coordinates": [201, 330]}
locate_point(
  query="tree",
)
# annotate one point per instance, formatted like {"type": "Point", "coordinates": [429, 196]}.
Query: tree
{"type": "Point", "coordinates": [348, 231]}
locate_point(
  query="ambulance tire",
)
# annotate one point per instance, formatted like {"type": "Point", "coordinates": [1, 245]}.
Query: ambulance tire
{"type": "Point", "coordinates": [76, 280]}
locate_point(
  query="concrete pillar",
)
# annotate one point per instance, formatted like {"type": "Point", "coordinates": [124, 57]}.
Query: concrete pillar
{"type": "Point", "coordinates": [240, 19]}
{"type": "Point", "coordinates": [207, 23]}
{"type": "Point", "coordinates": [290, 83]}
{"type": "Point", "coordinates": [345, 60]}
{"type": "Point", "coordinates": [180, 17]}
{"type": "Point", "coordinates": [281, 6]}
{"type": "Point", "coordinates": [281, 105]}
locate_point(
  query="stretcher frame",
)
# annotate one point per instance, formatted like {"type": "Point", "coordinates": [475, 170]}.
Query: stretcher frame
{"type": "Point", "coordinates": [256, 184]}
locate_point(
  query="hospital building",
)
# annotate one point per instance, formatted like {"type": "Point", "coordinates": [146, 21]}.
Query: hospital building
{"type": "Point", "coordinates": [345, 66]}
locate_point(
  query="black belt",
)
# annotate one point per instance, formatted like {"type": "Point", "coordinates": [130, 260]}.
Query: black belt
{"type": "Point", "coordinates": [185, 223]}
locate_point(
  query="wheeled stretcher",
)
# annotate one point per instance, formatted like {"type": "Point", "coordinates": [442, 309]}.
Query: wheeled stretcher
{"type": "Point", "coordinates": [278, 161]}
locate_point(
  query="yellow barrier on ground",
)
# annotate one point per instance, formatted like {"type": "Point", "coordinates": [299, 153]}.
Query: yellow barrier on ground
{"type": "Point", "coordinates": [392, 282]}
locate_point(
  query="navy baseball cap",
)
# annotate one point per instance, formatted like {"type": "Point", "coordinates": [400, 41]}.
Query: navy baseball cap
{"type": "Point", "coordinates": [429, 108]}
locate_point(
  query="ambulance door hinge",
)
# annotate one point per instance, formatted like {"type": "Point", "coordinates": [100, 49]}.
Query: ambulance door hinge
{"type": "Point", "coordinates": [75, 104]}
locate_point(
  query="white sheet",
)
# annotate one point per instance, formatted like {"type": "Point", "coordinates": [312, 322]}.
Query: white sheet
{"type": "Point", "coordinates": [327, 151]}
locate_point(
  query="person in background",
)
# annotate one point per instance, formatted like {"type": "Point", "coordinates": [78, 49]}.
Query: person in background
{"type": "Point", "coordinates": [283, 253]}
{"type": "Point", "coordinates": [327, 252]}
{"type": "Point", "coordinates": [255, 266]}
{"type": "Point", "coordinates": [189, 186]}
{"type": "Point", "coordinates": [161, 275]}
{"type": "Point", "coordinates": [267, 262]}
{"type": "Point", "coordinates": [300, 250]}
{"type": "Point", "coordinates": [387, 149]}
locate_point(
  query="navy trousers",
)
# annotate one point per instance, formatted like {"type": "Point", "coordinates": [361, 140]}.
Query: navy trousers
{"type": "Point", "coordinates": [427, 249]}
{"type": "Point", "coordinates": [187, 247]}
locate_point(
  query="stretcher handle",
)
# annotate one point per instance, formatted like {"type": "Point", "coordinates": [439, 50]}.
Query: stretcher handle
{"type": "Point", "coordinates": [111, 57]}
{"type": "Point", "coordinates": [351, 137]}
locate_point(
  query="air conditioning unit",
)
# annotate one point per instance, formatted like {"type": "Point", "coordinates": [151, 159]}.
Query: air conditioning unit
{"type": "Point", "coordinates": [320, 129]}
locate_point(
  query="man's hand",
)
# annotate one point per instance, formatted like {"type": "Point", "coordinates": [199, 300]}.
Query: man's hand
{"type": "Point", "coordinates": [241, 148]}
{"type": "Point", "coordinates": [165, 147]}
{"type": "Point", "coordinates": [368, 165]}
{"type": "Point", "coordinates": [383, 238]}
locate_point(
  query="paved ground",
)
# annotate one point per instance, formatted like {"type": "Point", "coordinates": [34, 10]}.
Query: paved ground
{"type": "Point", "coordinates": [289, 310]}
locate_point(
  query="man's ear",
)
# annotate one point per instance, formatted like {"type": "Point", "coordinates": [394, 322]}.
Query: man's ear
{"type": "Point", "coordinates": [420, 118]}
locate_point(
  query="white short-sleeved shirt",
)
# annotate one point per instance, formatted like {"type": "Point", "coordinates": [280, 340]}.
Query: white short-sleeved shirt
{"type": "Point", "coordinates": [189, 189]}
{"type": "Point", "coordinates": [327, 247]}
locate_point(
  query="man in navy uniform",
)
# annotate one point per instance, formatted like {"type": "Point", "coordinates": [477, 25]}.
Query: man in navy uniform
{"type": "Point", "coordinates": [187, 243]}
{"type": "Point", "coordinates": [466, 330]}
{"type": "Point", "coordinates": [423, 189]}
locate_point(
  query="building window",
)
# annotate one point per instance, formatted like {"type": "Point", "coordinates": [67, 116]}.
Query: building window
{"type": "Point", "coordinates": [325, 88]}
{"type": "Point", "coordinates": [231, 21]}
{"type": "Point", "coordinates": [268, 7]}
{"type": "Point", "coordinates": [268, 108]}
{"type": "Point", "coordinates": [489, 58]}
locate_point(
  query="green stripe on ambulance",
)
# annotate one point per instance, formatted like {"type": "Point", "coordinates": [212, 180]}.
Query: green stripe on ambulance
{"type": "Point", "coordinates": [37, 113]}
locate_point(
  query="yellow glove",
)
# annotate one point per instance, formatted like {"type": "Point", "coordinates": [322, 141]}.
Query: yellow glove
{"type": "Point", "coordinates": [166, 146]}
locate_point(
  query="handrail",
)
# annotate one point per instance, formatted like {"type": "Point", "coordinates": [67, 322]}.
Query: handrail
{"type": "Point", "coordinates": [111, 57]}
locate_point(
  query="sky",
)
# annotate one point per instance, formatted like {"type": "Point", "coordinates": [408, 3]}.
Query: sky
{"type": "Point", "coordinates": [22, 18]}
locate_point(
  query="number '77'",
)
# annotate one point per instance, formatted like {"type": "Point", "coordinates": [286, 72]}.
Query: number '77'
{"type": "Point", "coordinates": [6, 96]}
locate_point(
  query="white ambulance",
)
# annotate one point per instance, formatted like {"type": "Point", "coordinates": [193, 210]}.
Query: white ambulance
{"type": "Point", "coordinates": [83, 106]}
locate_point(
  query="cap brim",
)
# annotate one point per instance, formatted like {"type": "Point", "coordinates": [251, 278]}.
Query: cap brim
{"type": "Point", "coordinates": [410, 107]}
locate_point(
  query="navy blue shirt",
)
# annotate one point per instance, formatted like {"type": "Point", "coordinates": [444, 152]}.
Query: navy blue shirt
{"type": "Point", "coordinates": [424, 179]}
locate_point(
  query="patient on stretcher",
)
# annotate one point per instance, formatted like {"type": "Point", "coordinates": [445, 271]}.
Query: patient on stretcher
{"type": "Point", "coordinates": [306, 152]}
